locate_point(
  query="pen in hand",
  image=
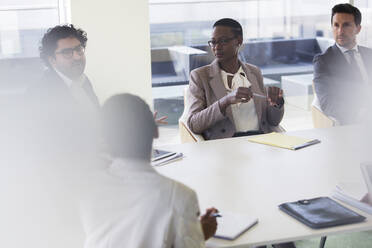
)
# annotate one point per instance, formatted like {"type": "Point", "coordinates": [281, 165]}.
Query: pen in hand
{"type": "Point", "coordinates": [259, 95]}
{"type": "Point", "coordinates": [255, 95]}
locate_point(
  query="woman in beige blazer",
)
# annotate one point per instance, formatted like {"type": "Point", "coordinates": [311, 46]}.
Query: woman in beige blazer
{"type": "Point", "coordinates": [227, 97]}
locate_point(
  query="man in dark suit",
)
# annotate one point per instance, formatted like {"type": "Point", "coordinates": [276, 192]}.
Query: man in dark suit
{"type": "Point", "coordinates": [342, 75]}
{"type": "Point", "coordinates": [64, 85]}
{"type": "Point", "coordinates": [64, 101]}
{"type": "Point", "coordinates": [63, 105]}
{"type": "Point", "coordinates": [62, 50]}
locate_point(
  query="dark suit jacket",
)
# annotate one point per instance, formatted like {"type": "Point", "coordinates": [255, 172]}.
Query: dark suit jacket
{"type": "Point", "coordinates": [339, 89]}
{"type": "Point", "coordinates": [54, 117]}
{"type": "Point", "coordinates": [206, 88]}
{"type": "Point", "coordinates": [52, 87]}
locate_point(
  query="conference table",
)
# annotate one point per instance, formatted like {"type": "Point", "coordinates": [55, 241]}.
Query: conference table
{"type": "Point", "coordinates": [242, 177]}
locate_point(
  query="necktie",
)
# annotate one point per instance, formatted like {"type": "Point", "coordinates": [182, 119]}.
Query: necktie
{"type": "Point", "coordinates": [82, 98]}
{"type": "Point", "coordinates": [355, 66]}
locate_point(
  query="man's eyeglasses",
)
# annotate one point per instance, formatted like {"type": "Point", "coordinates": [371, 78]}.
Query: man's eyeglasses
{"type": "Point", "coordinates": [69, 52]}
{"type": "Point", "coordinates": [223, 41]}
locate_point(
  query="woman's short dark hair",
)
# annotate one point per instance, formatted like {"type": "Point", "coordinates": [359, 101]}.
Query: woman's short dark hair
{"type": "Point", "coordinates": [53, 35]}
{"type": "Point", "coordinates": [234, 25]}
{"type": "Point", "coordinates": [348, 9]}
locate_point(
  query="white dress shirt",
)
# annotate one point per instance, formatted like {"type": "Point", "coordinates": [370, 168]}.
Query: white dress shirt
{"type": "Point", "coordinates": [358, 59]}
{"type": "Point", "coordinates": [131, 205]}
{"type": "Point", "coordinates": [244, 114]}
{"type": "Point", "coordinates": [78, 92]}
{"type": "Point", "coordinates": [362, 112]}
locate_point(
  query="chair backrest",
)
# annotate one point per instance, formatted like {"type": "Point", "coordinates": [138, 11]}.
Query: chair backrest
{"type": "Point", "coordinates": [186, 134]}
{"type": "Point", "coordinates": [320, 120]}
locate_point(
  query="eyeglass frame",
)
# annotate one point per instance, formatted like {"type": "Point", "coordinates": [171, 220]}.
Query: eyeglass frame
{"type": "Point", "coordinates": [223, 42]}
{"type": "Point", "coordinates": [68, 53]}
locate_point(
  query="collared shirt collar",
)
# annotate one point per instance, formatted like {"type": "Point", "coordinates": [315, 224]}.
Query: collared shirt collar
{"type": "Point", "coordinates": [216, 69]}
{"type": "Point", "coordinates": [343, 49]}
{"type": "Point", "coordinates": [79, 81]}
{"type": "Point", "coordinates": [240, 71]}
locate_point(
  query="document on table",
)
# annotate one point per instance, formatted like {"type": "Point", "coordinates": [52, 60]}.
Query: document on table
{"type": "Point", "coordinates": [232, 225]}
{"type": "Point", "coordinates": [160, 154]}
{"type": "Point", "coordinates": [352, 194]}
{"type": "Point", "coordinates": [161, 157]}
{"type": "Point", "coordinates": [283, 140]}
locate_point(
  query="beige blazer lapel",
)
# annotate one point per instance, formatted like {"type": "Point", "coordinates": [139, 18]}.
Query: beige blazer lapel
{"type": "Point", "coordinates": [217, 85]}
{"type": "Point", "coordinates": [255, 89]}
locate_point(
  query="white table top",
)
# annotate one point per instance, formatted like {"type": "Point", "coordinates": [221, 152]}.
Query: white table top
{"type": "Point", "coordinates": [236, 175]}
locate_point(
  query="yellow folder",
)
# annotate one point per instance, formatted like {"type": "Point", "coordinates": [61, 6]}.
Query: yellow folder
{"type": "Point", "coordinates": [283, 140]}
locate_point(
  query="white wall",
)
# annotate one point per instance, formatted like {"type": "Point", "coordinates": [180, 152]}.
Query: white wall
{"type": "Point", "coordinates": [118, 50]}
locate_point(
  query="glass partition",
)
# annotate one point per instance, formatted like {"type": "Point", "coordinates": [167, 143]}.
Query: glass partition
{"type": "Point", "coordinates": [280, 36]}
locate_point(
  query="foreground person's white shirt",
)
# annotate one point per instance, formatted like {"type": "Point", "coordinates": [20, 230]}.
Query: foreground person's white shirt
{"type": "Point", "coordinates": [131, 205]}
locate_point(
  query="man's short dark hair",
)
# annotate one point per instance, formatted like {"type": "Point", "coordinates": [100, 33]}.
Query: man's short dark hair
{"type": "Point", "coordinates": [53, 35]}
{"type": "Point", "coordinates": [234, 25]}
{"type": "Point", "coordinates": [348, 9]}
{"type": "Point", "coordinates": [128, 126]}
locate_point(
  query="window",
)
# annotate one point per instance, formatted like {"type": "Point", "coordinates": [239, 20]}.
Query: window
{"type": "Point", "coordinates": [279, 37]}
{"type": "Point", "coordinates": [365, 34]}
{"type": "Point", "coordinates": [23, 22]}
{"type": "Point", "coordinates": [22, 25]}
{"type": "Point", "coordinates": [189, 22]}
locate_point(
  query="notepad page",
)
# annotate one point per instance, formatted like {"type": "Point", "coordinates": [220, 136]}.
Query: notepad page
{"type": "Point", "coordinates": [232, 225]}
{"type": "Point", "coordinates": [279, 140]}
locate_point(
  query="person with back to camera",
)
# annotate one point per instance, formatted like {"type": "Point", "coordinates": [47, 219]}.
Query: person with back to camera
{"type": "Point", "coordinates": [131, 205]}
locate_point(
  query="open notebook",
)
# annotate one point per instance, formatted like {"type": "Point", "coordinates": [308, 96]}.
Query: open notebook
{"type": "Point", "coordinates": [232, 225]}
{"type": "Point", "coordinates": [283, 140]}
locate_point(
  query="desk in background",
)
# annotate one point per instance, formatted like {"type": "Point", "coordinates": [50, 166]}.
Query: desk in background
{"type": "Point", "coordinates": [298, 90]}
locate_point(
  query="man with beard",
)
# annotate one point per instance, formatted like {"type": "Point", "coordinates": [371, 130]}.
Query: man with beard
{"type": "Point", "coordinates": [64, 82]}
{"type": "Point", "coordinates": [59, 133]}
{"type": "Point", "coordinates": [63, 105]}
{"type": "Point", "coordinates": [63, 101]}
{"type": "Point", "coordinates": [62, 50]}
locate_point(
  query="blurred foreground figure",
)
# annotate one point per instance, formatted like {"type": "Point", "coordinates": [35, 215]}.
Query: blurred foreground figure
{"type": "Point", "coordinates": [342, 74]}
{"type": "Point", "coordinates": [40, 185]}
{"type": "Point", "coordinates": [130, 204]}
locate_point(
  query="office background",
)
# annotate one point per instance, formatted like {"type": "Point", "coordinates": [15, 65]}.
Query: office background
{"type": "Point", "coordinates": [149, 47]}
{"type": "Point", "coordinates": [131, 47]}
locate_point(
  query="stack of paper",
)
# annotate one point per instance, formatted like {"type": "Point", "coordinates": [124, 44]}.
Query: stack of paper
{"type": "Point", "coordinates": [352, 194]}
{"type": "Point", "coordinates": [283, 140]}
{"type": "Point", "coordinates": [232, 225]}
{"type": "Point", "coordinates": [161, 157]}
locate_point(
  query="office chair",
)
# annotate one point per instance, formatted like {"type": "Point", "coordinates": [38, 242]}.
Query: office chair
{"type": "Point", "coordinates": [320, 120]}
{"type": "Point", "coordinates": [186, 134]}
